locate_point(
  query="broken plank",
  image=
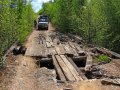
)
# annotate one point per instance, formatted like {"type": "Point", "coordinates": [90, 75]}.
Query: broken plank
{"type": "Point", "coordinates": [88, 62]}
{"type": "Point", "coordinates": [58, 69]}
{"type": "Point", "coordinates": [65, 69]}
{"type": "Point", "coordinates": [71, 68]}
{"type": "Point", "coordinates": [82, 76]}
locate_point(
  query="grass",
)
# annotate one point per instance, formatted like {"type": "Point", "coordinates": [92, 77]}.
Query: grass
{"type": "Point", "coordinates": [103, 58]}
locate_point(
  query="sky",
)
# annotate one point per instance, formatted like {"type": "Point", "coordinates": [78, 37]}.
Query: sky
{"type": "Point", "coordinates": [37, 4]}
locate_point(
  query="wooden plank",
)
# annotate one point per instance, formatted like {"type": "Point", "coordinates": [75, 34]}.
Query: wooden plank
{"type": "Point", "coordinates": [51, 44]}
{"type": "Point", "coordinates": [82, 76]}
{"type": "Point", "coordinates": [69, 50]}
{"type": "Point", "coordinates": [58, 69]}
{"type": "Point", "coordinates": [72, 45]}
{"type": "Point", "coordinates": [60, 49]}
{"type": "Point", "coordinates": [48, 44]}
{"type": "Point", "coordinates": [57, 49]}
{"type": "Point", "coordinates": [48, 39]}
{"type": "Point", "coordinates": [52, 51]}
{"type": "Point", "coordinates": [65, 69]}
{"type": "Point", "coordinates": [71, 68]}
{"type": "Point", "coordinates": [44, 43]}
{"type": "Point", "coordinates": [81, 52]}
{"type": "Point", "coordinates": [88, 62]}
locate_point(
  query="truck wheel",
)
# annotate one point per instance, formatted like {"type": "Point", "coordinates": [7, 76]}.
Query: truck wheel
{"type": "Point", "coordinates": [47, 28]}
{"type": "Point", "coordinates": [38, 28]}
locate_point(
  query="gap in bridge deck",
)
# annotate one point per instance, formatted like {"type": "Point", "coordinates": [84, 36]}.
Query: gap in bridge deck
{"type": "Point", "coordinates": [47, 63]}
{"type": "Point", "coordinates": [80, 63]}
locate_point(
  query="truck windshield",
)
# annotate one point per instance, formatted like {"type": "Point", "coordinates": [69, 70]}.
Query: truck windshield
{"type": "Point", "coordinates": [43, 19]}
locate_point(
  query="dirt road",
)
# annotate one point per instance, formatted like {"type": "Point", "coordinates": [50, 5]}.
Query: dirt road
{"type": "Point", "coordinates": [24, 80]}
{"type": "Point", "coordinates": [24, 72]}
{"type": "Point", "coordinates": [27, 75]}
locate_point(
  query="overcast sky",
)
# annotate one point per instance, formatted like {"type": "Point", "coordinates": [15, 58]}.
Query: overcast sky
{"type": "Point", "coordinates": [37, 4]}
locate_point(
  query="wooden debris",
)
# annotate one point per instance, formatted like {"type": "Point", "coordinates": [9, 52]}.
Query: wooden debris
{"type": "Point", "coordinates": [108, 52]}
{"type": "Point", "coordinates": [111, 81]}
{"type": "Point", "coordinates": [88, 62]}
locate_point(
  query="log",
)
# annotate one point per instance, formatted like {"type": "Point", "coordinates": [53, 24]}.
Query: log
{"type": "Point", "coordinates": [82, 77]}
{"type": "Point", "coordinates": [111, 81]}
{"type": "Point", "coordinates": [79, 58]}
{"type": "Point", "coordinates": [46, 60]}
{"type": "Point", "coordinates": [58, 69]}
{"type": "Point", "coordinates": [71, 68]}
{"type": "Point", "coordinates": [109, 53]}
{"type": "Point", "coordinates": [65, 69]}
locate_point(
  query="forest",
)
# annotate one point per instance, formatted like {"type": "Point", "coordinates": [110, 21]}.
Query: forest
{"type": "Point", "coordinates": [96, 21]}
{"type": "Point", "coordinates": [16, 21]}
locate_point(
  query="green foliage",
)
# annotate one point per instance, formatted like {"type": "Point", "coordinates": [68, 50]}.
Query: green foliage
{"type": "Point", "coordinates": [16, 20]}
{"type": "Point", "coordinates": [103, 58]}
{"type": "Point", "coordinates": [97, 21]}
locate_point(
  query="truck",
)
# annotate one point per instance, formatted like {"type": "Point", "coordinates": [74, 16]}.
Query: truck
{"type": "Point", "coordinates": [43, 22]}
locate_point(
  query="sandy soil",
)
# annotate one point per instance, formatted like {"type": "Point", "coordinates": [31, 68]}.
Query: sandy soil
{"type": "Point", "coordinates": [23, 79]}
{"type": "Point", "coordinates": [94, 85]}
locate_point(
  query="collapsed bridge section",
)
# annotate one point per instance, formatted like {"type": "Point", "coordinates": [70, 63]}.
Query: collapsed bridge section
{"type": "Point", "coordinates": [64, 53]}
